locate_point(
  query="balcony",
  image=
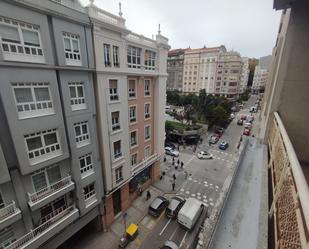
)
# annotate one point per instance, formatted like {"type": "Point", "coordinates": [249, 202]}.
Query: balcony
{"type": "Point", "coordinates": [9, 214]}
{"type": "Point", "coordinates": [289, 211]}
{"type": "Point", "coordinates": [145, 163]}
{"type": "Point", "coordinates": [42, 197]}
{"type": "Point", "coordinates": [54, 223]}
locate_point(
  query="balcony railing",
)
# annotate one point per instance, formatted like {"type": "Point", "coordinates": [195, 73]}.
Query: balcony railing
{"type": "Point", "coordinates": [146, 162]}
{"type": "Point", "coordinates": [106, 17]}
{"type": "Point", "coordinates": [8, 210]}
{"type": "Point", "coordinates": [290, 204]}
{"type": "Point", "coordinates": [34, 197]}
{"type": "Point", "coordinates": [57, 216]}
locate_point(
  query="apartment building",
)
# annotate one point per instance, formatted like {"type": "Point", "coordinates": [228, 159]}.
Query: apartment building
{"type": "Point", "coordinates": [175, 63]}
{"type": "Point", "coordinates": [244, 76]}
{"type": "Point", "coordinates": [285, 129]}
{"type": "Point", "coordinates": [50, 184]}
{"type": "Point", "coordinates": [261, 74]}
{"type": "Point", "coordinates": [130, 93]}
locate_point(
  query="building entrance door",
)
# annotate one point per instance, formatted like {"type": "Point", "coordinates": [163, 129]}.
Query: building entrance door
{"type": "Point", "coordinates": [117, 201]}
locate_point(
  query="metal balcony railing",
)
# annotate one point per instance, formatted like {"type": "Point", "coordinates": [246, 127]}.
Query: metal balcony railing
{"type": "Point", "coordinates": [290, 205]}
{"type": "Point", "coordinates": [8, 210]}
{"type": "Point", "coordinates": [54, 218]}
{"type": "Point", "coordinates": [64, 182]}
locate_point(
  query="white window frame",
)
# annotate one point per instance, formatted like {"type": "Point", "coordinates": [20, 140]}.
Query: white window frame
{"type": "Point", "coordinates": [149, 109]}
{"type": "Point", "coordinates": [147, 88]}
{"type": "Point", "coordinates": [46, 177]}
{"type": "Point", "coordinates": [130, 120]}
{"type": "Point", "coordinates": [88, 167]}
{"type": "Point", "coordinates": [34, 108]}
{"type": "Point", "coordinates": [131, 156]}
{"type": "Point", "coordinates": [46, 151]}
{"type": "Point", "coordinates": [146, 147]}
{"type": "Point", "coordinates": [89, 193]}
{"type": "Point", "coordinates": [119, 154]}
{"type": "Point", "coordinates": [119, 174]}
{"type": "Point", "coordinates": [115, 126]}
{"type": "Point", "coordinates": [20, 51]}
{"type": "Point", "coordinates": [77, 103]}
{"type": "Point", "coordinates": [116, 62]}
{"type": "Point", "coordinates": [113, 95]}
{"type": "Point", "coordinates": [150, 62]}
{"type": "Point", "coordinates": [147, 126]}
{"type": "Point", "coordinates": [132, 94]}
{"type": "Point", "coordinates": [136, 144]}
{"type": "Point", "coordinates": [107, 55]}
{"type": "Point", "coordinates": [84, 138]}
{"type": "Point", "coordinates": [134, 53]}
{"type": "Point", "coordinates": [72, 61]}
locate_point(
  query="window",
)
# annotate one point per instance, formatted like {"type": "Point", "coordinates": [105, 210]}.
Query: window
{"type": "Point", "coordinates": [42, 145]}
{"type": "Point", "coordinates": [118, 173]}
{"type": "Point", "coordinates": [150, 60]}
{"type": "Point", "coordinates": [52, 209]}
{"type": "Point", "coordinates": [147, 132]}
{"type": "Point", "coordinates": [133, 138]}
{"type": "Point", "coordinates": [20, 41]}
{"type": "Point", "coordinates": [33, 99]}
{"type": "Point", "coordinates": [147, 152]}
{"type": "Point", "coordinates": [77, 96]}
{"type": "Point", "coordinates": [85, 163]}
{"type": "Point", "coordinates": [113, 93]}
{"type": "Point", "coordinates": [134, 159]}
{"type": "Point", "coordinates": [147, 111]}
{"type": "Point", "coordinates": [72, 49]}
{"type": "Point", "coordinates": [107, 55]}
{"type": "Point", "coordinates": [132, 88]}
{"type": "Point", "coordinates": [82, 136]}
{"type": "Point", "coordinates": [89, 191]}
{"type": "Point", "coordinates": [115, 121]}
{"type": "Point", "coordinates": [134, 57]}
{"type": "Point", "coordinates": [233, 84]}
{"type": "Point", "coordinates": [132, 114]}
{"type": "Point", "coordinates": [117, 149]}
{"type": "Point", "coordinates": [41, 179]}
{"type": "Point", "coordinates": [7, 237]}
{"type": "Point", "coordinates": [116, 56]}
{"type": "Point", "coordinates": [147, 87]}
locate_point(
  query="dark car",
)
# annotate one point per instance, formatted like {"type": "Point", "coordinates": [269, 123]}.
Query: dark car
{"type": "Point", "coordinates": [157, 206]}
{"type": "Point", "coordinates": [240, 122]}
{"type": "Point", "coordinates": [223, 145]}
{"type": "Point", "coordinates": [174, 206]}
{"type": "Point", "coordinates": [169, 144]}
{"type": "Point", "coordinates": [219, 131]}
{"type": "Point", "coordinates": [169, 245]}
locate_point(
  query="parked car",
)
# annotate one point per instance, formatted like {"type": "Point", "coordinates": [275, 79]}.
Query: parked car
{"type": "Point", "coordinates": [213, 139]}
{"type": "Point", "coordinates": [169, 144]}
{"type": "Point", "coordinates": [246, 132]}
{"type": "Point", "coordinates": [190, 213]}
{"type": "Point", "coordinates": [250, 118]}
{"type": "Point", "coordinates": [253, 109]}
{"type": "Point", "coordinates": [174, 206]}
{"type": "Point", "coordinates": [204, 155]}
{"type": "Point", "coordinates": [248, 125]}
{"type": "Point", "coordinates": [169, 245]}
{"type": "Point", "coordinates": [223, 145]}
{"type": "Point", "coordinates": [157, 206]}
{"type": "Point", "coordinates": [171, 151]}
{"type": "Point", "coordinates": [243, 117]}
{"type": "Point", "coordinates": [232, 116]}
{"type": "Point", "coordinates": [219, 131]}
{"type": "Point", "coordinates": [240, 122]}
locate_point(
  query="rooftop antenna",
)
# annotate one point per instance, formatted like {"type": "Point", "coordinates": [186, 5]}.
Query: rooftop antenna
{"type": "Point", "coordinates": [120, 12]}
{"type": "Point", "coordinates": [159, 31]}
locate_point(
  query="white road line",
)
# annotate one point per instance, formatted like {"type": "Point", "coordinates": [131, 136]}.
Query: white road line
{"type": "Point", "coordinates": [183, 240]}
{"type": "Point", "coordinates": [173, 233]}
{"type": "Point", "coordinates": [168, 222]}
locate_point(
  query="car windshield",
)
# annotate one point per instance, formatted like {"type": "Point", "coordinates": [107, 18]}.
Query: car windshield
{"type": "Point", "coordinates": [156, 203]}
{"type": "Point", "coordinates": [173, 204]}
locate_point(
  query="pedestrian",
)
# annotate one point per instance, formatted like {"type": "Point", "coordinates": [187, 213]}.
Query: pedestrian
{"type": "Point", "coordinates": [139, 189]}
{"type": "Point", "coordinates": [148, 195]}
{"type": "Point", "coordinates": [240, 138]}
{"type": "Point", "coordinates": [178, 161]}
{"type": "Point", "coordinates": [178, 147]}
{"type": "Point", "coordinates": [173, 161]}
{"type": "Point", "coordinates": [174, 176]}
{"type": "Point", "coordinates": [209, 143]}
{"type": "Point", "coordinates": [173, 186]}
{"type": "Point", "coordinates": [181, 164]}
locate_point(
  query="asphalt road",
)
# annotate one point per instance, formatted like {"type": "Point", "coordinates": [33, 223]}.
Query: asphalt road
{"type": "Point", "coordinates": [204, 182]}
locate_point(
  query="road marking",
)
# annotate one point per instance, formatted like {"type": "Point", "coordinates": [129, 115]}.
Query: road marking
{"type": "Point", "coordinates": [173, 233]}
{"type": "Point", "coordinates": [168, 222]}
{"type": "Point", "coordinates": [183, 240]}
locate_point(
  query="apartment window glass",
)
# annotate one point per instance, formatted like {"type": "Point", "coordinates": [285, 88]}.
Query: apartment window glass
{"type": "Point", "coordinates": [89, 191]}
{"type": "Point", "coordinates": [117, 149]}
{"type": "Point", "coordinates": [72, 49]}
{"type": "Point", "coordinates": [147, 111]}
{"type": "Point", "coordinates": [147, 152]}
{"type": "Point", "coordinates": [150, 60]}
{"type": "Point", "coordinates": [107, 55]}
{"type": "Point", "coordinates": [115, 121]}
{"type": "Point", "coordinates": [134, 159]}
{"type": "Point", "coordinates": [85, 163]}
{"type": "Point", "coordinates": [132, 88]}
{"type": "Point", "coordinates": [52, 209]}
{"type": "Point", "coordinates": [133, 138]}
{"type": "Point", "coordinates": [7, 236]}
{"type": "Point", "coordinates": [132, 114]}
{"type": "Point", "coordinates": [20, 41]}
{"type": "Point", "coordinates": [118, 173]}
{"type": "Point", "coordinates": [116, 56]}
{"type": "Point", "coordinates": [147, 86]}
{"type": "Point", "coordinates": [134, 57]}
{"type": "Point", "coordinates": [77, 96]}
{"type": "Point", "coordinates": [33, 99]}
{"type": "Point", "coordinates": [113, 92]}
{"type": "Point", "coordinates": [42, 145]}
{"type": "Point", "coordinates": [147, 132]}
{"type": "Point", "coordinates": [82, 136]}
{"type": "Point", "coordinates": [45, 177]}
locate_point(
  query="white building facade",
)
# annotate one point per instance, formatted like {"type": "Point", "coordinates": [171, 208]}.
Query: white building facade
{"type": "Point", "coordinates": [244, 77]}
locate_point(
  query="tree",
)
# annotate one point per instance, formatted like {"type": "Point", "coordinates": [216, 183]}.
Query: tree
{"type": "Point", "coordinates": [220, 115]}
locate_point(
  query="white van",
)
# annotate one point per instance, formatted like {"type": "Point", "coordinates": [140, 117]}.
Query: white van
{"type": "Point", "coordinates": [189, 213]}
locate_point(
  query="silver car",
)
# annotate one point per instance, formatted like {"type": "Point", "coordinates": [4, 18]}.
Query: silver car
{"type": "Point", "coordinates": [169, 245]}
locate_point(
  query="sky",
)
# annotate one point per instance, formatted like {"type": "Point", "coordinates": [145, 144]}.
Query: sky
{"type": "Point", "coordinates": [247, 26]}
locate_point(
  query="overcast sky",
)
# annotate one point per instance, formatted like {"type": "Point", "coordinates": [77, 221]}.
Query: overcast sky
{"type": "Point", "coordinates": [247, 26]}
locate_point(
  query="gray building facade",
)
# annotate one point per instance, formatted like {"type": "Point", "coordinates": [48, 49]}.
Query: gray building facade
{"type": "Point", "coordinates": [175, 61]}
{"type": "Point", "coordinates": [50, 183]}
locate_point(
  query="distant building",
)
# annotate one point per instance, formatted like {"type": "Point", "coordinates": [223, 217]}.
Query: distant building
{"type": "Point", "coordinates": [244, 77]}
{"type": "Point", "coordinates": [261, 74]}
{"type": "Point", "coordinates": [175, 69]}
